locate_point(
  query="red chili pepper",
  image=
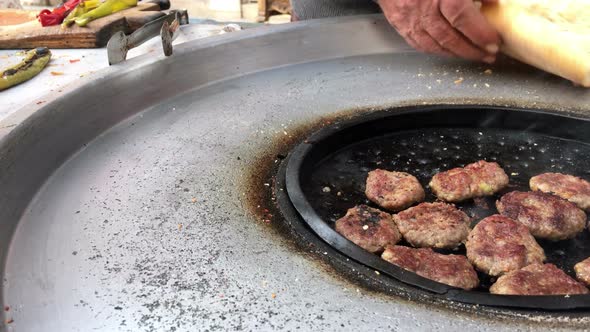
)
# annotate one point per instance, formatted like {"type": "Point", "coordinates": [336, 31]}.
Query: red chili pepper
{"type": "Point", "coordinates": [57, 15]}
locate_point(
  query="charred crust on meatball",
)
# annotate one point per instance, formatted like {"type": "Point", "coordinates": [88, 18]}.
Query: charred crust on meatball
{"type": "Point", "coordinates": [545, 215]}
{"type": "Point", "coordinates": [369, 228]}
{"type": "Point", "coordinates": [569, 187]}
{"type": "Point", "coordinates": [498, 245]}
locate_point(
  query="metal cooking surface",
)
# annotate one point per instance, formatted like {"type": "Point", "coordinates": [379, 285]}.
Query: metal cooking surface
{"type": "Point", "coordinates": [145, 226]}
{"type": "Point", "coordinates": [337, 159]}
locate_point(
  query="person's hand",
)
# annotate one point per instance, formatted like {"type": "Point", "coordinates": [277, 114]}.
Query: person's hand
{"type": "Point", "coordinates": [446, 27]}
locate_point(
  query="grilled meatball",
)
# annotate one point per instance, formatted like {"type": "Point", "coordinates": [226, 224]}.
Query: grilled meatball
{"type": "Point", "coordinates": [474, 180]}
{"type": "Point", "coordinates": [437, 225]}
{"type": "Point", "coordinates": [546, 216]}
{"type": "Point", "coordinates": [583, 271]}
{"type": "Point", "coordinates": [368, 228]}
{"type": "Point", "coordinates": [568, 187]}
{"type": "Point", "coordinates": [499, 244]}
{"type": "Point", "coordinates": [537, 279]}
{"type": "Point", "coordinates": [453, 270]}
{"type": "Point", "coordinates": [393, 191]}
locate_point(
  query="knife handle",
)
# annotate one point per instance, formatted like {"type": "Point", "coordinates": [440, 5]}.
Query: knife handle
{"type": "Point", "coordinates": [149, 31]}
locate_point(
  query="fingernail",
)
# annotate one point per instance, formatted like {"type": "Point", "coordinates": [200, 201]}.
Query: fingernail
{"type": "Point", "coordinates": [492, 48]}
{"type": "Point", "coordinates": [489, 59]}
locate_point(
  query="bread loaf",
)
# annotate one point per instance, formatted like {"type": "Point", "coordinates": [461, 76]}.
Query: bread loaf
{"type": "Point", "coordinates": [553, 35]}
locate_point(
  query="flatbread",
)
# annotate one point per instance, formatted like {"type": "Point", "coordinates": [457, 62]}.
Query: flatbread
{"type": "Point", "coordinates": [553, 35]}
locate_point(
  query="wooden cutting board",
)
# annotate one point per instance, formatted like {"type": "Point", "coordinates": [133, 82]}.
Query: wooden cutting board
{"type": "Point", "coordinates": [96, 34]}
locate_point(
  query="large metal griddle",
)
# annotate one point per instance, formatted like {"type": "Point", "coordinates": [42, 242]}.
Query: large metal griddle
{"type": "Point", "coordinates": [124, 201]}
{"type": "Point", "coordinates": [325, 176]}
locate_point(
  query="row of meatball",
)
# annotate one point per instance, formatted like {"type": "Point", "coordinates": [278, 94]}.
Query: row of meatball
{"type": "Point", "coordinates": [500, 245]}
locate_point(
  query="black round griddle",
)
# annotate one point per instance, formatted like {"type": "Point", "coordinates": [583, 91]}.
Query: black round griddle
{"type": "Point", "coordinates": [326, 175]}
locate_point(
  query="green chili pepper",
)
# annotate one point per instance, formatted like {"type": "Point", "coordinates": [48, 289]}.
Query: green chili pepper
{"type": "Point", "coordinates": [35, 60]}
{"type": "Point", "coordinates": [105, 9]}
{"type": "Point", "coordinates": [82, 8]}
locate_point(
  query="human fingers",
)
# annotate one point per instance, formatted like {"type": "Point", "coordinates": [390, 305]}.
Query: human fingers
{"type": "Point", "coordinates": [423, 41]}
{"type": "Point", "coordinates": [449, 38]}
{"type": "Point", "coordinates": [464, 16]}
{"type": "Point", "coordinates": [405, 16]}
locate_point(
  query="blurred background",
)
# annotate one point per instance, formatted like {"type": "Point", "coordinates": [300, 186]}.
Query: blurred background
{"type": "Point", "coordinates": [271, 11]}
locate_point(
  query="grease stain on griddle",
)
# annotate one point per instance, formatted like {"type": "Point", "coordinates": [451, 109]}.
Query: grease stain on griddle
{"type": "Point", "coordinates": [261, 203]}
{"type": "Point", "coordinates": [261, 173]}
{"type": "Point", "coordinates": [260, 184]}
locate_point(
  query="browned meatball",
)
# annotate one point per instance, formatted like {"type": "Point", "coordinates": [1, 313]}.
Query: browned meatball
{"type": "Point", "coordinates": [437, 225]}
{"type": "Point", "coordinates": [453, 270]}
{"type": "Point", "coordinates": [474, 180]}
{"type": "Point", "coordinates": [499, 244]}
{"type": "Point", "coordinates": [568, 187]}
{"type": "Point", "coordinates": [546, 216]}
{"type": "Point", "coordinates": [583, 271]}
{"type": "Point", "coordinates": [393, 191]}
{"type": "Point", "coordinates": [368, 228]}
{"type": "Point", "coordinates": [537, 279]}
